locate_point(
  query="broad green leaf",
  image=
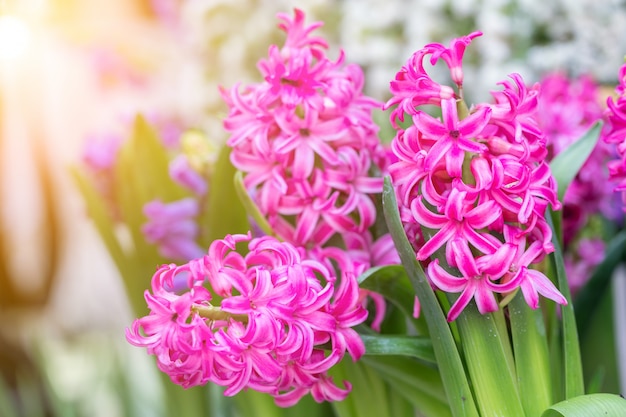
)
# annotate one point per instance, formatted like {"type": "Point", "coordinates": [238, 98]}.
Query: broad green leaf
{"type": "Point", "coordinates": [416, 346]}
{"type": "Point", "coordinates": [392, 282]}
{"type": "Point", "coordinates": [421, 385]}
{"type": "Point", "coordinates": [142, 175]}
{"type": "Point", "coordinates": [182, 402]}
{"type": "Point", "coordinates": [531, 356]}
{"type": "Point", "coordinates": [407, 371]}
{"type": "Point", "coordinates": [589, 296]}
{"type": "Point", "coordinates": [399, 405]}
{"type": "Point", "coordinates": [592, 405]}
{"type": "Point", "coordinates": [424, 404]}
{"type": "Point", "coordinates": [572, 365]}
{"type": "Point", "coordinates": [493, 382]}
{"type": "Point", "coordinates": [565, 166]}
{"type": "Point", "coordinates": [225, 213]}
{"type": "Point", "coordinates": [368, 397]}
{"type": "Point", "coordinates": [448, 359]}
{"type": "Point", "coordinates": [252, 403]}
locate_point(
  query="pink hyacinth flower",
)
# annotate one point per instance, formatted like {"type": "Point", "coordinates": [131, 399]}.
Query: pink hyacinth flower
{"type": "Point", "coordinates": [473, 192]}
{"type": "Point", "coordinates": [453, 55]}
{"type": "Point", "coordinates": [268, 332]}
{"type": "Point", "coordinates": [306, 141]}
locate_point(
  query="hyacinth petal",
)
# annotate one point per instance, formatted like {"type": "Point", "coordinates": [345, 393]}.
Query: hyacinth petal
{"type": "Point", "coordinates": [464, 258]}
{"type": "Point", "coordinates": [353, 342]}
{"type": "Point", "coordinates": [474, 124]}
{"type": "Point", "coordinates": [430, 125]}
{"type": "Point", "coordinates": [485, 300]}
{"type": "Point", "coordinates": [530, 294]}
{"type": "Point", "coordinates": [461, 302]}
{"type": "Point", "coordinates": [449, 114]}
{"type": "Point", "coordinates": [454, 162]}
{"type": "Point", "coordinates": [545, 287]}
{"type": "Point", "coordinates": [484, 214]}
{"type": "Point", "coordinates": [326, 390]}
{"type": "Point", "coordinates": [443, 279]}
{"type": "Point", "coordinates": [437, 153]}
{"type": "Point", "coordinates": [304, 161]}
{"type": "Point", "coordinates": [439, 239]}
{"type": "Point", "coordinates": [241, 380]}
{"type": "Point", "coordinates": [424, 216]}
{"type": "Point", "coordinates": [500, 261]}
{"type": "Point", "coordinates": [307, 222]}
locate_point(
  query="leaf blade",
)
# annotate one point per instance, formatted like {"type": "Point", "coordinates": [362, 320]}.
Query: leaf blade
{"type": "Point", "coordinates": [448, 358]}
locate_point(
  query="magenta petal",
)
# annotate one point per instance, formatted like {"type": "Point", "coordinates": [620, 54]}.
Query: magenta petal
{"type": "Point", "coordinates": [464, 258]}
{"type": "Point", "coordinates": [461, 303]}
{"type": "Point", "coordinates": [443, 280]}
{"type": "Point", "coordinates": [435, 242]}
{"type": "Point", "coordinates": [485, 301]}
{"type": "Point", "coordinates": [545, 287]}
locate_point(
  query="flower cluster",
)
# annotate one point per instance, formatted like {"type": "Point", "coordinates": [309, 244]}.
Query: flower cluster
{"type": "Point", "coordinates": [616, 133]}
{"type": "Point", "coordinates": [306, 141]}
{"type": "Point", "coordinates": [567, 109]}
{"type": "Point", "coordinates": [473, 186]}
{"type": "Point", "coordinates": [273, 320]}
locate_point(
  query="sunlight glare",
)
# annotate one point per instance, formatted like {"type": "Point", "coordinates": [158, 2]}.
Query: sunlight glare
{"type": "Point", "coordinates": [14, 38]}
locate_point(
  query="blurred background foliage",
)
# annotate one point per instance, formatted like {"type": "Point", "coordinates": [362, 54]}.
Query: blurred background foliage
{"type": "Point", "coordinates": [71, 70]}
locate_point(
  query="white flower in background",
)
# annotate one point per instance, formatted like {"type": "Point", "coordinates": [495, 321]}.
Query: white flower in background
{"type": "Point", "coordinates": [526, 36]}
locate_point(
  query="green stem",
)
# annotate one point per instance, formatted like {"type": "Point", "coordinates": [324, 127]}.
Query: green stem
{"type": "Point", "coordinates": [448, 359]}
{"type": "Point", "coordinates": [215, 313]}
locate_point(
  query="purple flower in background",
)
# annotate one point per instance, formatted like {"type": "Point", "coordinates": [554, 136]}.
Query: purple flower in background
{"type": "Point", "coordinates": [173, 228]}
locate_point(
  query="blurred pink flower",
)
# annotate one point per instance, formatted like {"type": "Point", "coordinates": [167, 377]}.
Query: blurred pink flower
{"type": "Point", "coordinates": [616, 134]}
{"type": "Point", "coordinates": [567, 109]}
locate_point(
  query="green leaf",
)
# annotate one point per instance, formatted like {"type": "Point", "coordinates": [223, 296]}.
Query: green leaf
{"type": "Point", "coordinates": [493, 382]}
{"type": "Point", "coordinates": [250, 206]}
{"type": "Point", "coordinates": [105, 225]}
{"type": "Point", "coordinates": [225, 213]}
{"type": "Point", "coordinates": [399, 405]}
{"type": "Point", "coordinates": [592, 405]}
{"type": "Point", "coordinates": [416, 346]}
{"type": "Point", "coordinates": [392, 282]}
{"type": "Point", "coordinates": [421, 385]}
{"type": "Point", "coordinates": [565, 166]}
{"type": "Point", "coordinates": [368, 397]}
{"type": "Point", "coordinates": [531, 356]}
{"type": "Point", "coordinates": [450, 365]}
{"type": "Point", "coordinates": [409, 372]}
{"type": "Point", "coordinates": [573, 373]}
{"type": "Point", "coordinates": [590, 295]}
{"type": "Point", "coordinates": [142, 175]}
